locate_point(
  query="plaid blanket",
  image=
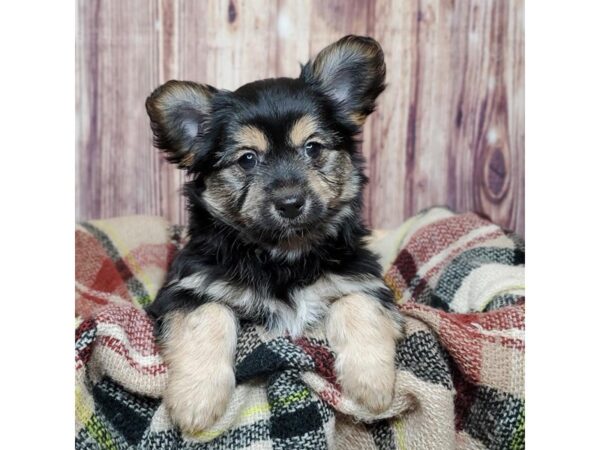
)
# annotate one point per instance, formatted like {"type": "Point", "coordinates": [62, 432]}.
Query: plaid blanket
{"type": "Point", "coordinates": [458, 280]}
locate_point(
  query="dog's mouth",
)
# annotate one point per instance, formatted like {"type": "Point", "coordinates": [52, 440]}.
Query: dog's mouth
{"type": "Point", "coordinates": [305, 231]}
{"type": "Point", "coordinates": [300, 232]}
{"type": "Point", "coordinates": [297, 229]}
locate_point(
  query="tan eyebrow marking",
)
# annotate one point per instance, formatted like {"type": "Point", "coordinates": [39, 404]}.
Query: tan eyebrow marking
{"type": "Point", "coordinates": [302, 129]}
{"type": "Point", "coordinates": [251, 137]}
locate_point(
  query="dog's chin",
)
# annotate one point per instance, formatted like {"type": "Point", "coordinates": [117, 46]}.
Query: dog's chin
{"type": "Point", "coordinates": [294, 232]}
{"type": "Point", "coordinates": [287, 235]}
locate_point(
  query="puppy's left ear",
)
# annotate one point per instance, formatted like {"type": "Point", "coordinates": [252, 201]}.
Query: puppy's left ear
{"type": "Point", "coordinates": [351, 72]}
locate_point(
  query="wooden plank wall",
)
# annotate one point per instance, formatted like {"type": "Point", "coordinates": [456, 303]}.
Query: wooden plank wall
{"type": "Point", "coordinates": [449, 128]}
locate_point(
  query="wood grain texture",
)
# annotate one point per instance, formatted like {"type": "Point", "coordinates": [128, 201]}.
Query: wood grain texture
{"type": "Point", "coordinates": [449, 129]}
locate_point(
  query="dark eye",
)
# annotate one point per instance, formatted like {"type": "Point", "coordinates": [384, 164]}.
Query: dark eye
{"type": "Point", "coordinates": [312, 149]}
{"type": "Point", "coordinates": [248, 161]}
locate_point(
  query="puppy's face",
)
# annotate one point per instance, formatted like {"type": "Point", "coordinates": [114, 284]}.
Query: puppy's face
{"type": "Point", "coordinates": [275, 159]}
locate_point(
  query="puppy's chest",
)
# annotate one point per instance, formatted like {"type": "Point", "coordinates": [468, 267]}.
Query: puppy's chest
{"type": "Point", "coordinates": [285, 308]}
{"type": "Point", "coordinates": [295, 309]}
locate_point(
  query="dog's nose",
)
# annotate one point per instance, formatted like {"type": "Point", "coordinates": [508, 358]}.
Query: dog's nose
{"type": "Point", "coordinates": [290, 206]}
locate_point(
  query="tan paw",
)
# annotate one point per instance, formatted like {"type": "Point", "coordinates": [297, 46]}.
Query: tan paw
{"type": "Point", "coordinates": [199, 349]}
{"type": "Point", "coordinates": [366, 380]}
{"type": "Point", "coordinates": [196, 401]}
{"type": "Point", "coordinates": [363, 335]}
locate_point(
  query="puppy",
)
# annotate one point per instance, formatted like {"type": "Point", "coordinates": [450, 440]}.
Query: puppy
{"type": "Point", "coordinates": [275, 229]}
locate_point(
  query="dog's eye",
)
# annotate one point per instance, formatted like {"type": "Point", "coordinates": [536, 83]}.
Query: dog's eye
{"type": "Point", "coordinates": [248, 161]}
{"type": "Point", "coordinates": [312, 149]}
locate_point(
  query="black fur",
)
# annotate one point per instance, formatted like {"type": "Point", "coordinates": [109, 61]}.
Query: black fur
{"type": "Point", "coordinates": [269, 257]}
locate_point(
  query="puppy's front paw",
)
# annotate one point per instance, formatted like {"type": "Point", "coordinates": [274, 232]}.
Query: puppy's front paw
{"type": "Point", "coordinates": [199, 349]}
{"type": "Point", "coordinates": [196, 400]}
{"type": "Point", "coordinates": [367, 378]}
{"type": "Point", "coordinates": [363, 334]}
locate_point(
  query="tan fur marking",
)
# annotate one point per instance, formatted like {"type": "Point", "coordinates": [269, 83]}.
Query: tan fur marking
{"type": "Point", "coordinates": [199, 349]}
{"type": "Point", "coordinates": [343, 170]}
{"type": "Point", "coordinates": [251, 137]}
{"type": "Point", "coordinates": [358, 118]}
{"type": "Point", "coordinates": [187, 160]}
{"type": "Point", "coordinates": [302, 129]}
{"type": "Point", "coordinates": [363, 335]}
{"type": "Point", "coordinates": [351, 188]}
{"type": "Point", "coordinates": [336, 182]}
{"type": "Point", "coordinates": [254, 198]}
{"type": "Point", "coordinates": [330, 57]}
{"type": "Point", "coordinates": [175, 92]}
{"type": "Point", "coordinates": [320, 187]}
{"type": "Point", "coordinates": [217, 194]}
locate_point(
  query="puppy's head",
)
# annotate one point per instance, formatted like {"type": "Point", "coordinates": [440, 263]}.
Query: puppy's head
{"type": "Point", "coordinates": [276, 158]}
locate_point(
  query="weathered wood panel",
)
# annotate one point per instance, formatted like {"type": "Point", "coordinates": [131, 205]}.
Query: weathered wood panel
{"type": "Point", "coordinates": [449, 128]}
{"type": "Point", "coordinates": [117, 65]}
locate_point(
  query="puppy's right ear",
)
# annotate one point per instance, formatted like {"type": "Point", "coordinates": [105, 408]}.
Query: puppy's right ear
{"type": "Point", "coordinates": [179, 116]}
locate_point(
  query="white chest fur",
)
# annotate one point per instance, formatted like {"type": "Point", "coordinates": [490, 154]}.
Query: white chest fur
{"type": "Point", "coordinates": [306, 307]}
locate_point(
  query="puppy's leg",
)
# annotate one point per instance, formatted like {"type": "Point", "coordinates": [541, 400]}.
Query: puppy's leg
{"type": "Point", "coordinates": [199, 349]}
{"type": "Point", "coordinates": [363, 334]}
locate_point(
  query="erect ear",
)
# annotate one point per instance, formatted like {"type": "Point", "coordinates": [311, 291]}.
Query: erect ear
{"type": "Point", "coordinates": [179, 116]}
{"type": "Point", "coordinates": [351, 72]}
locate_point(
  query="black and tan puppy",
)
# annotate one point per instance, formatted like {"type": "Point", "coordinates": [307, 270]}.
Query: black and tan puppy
{"type": "Point", "coordinates": [276, 235]}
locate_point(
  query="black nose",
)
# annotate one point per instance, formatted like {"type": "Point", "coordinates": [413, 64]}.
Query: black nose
{"type": "Point", "coordinates": [290, 206]}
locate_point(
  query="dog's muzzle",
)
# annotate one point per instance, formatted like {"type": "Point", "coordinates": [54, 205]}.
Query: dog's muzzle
{"type": "Point", "coordinates": [290, 205]}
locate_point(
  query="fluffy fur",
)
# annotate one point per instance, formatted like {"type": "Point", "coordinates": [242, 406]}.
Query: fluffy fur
{"type": "Point", "coordinates": [197, 393]}
{"type": "Point", "coordinates": [276, 235]}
